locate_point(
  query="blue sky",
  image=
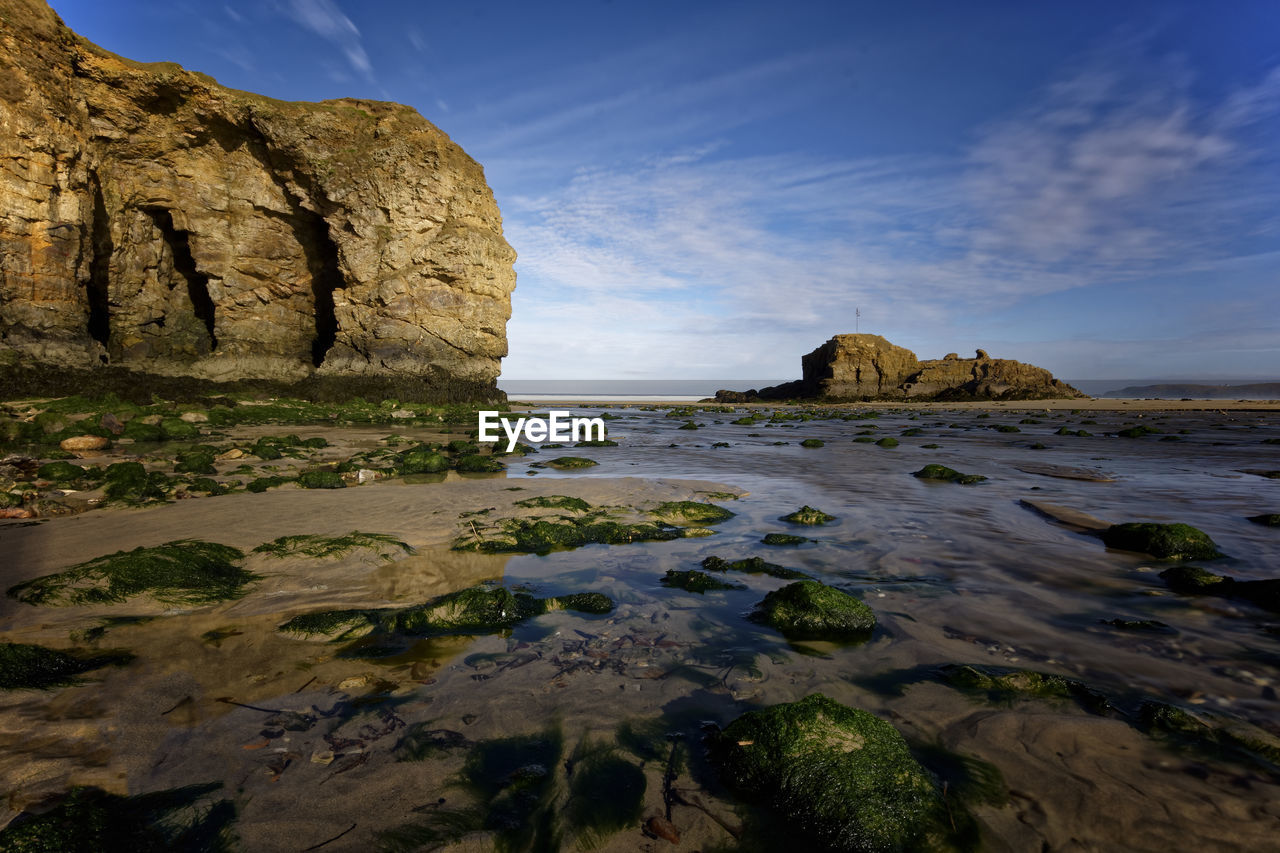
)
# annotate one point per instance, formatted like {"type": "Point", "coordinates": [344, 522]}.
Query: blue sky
{"type": "Point", "coordinates": [712, 189]}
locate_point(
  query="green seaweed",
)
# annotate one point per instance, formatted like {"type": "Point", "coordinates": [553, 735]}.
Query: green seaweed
{"type": "Point", "coordinates": [261, 484]}
{"type": "Point", "coordinates": [90, 820]}
{"type": "Point", "coordinates": [934, 471]}
{"type": "Point", "coordinates": [809, 610]}
{"type": "Point", "coordinates": [784, 539]}
{"type": "Point", "coordinates": [570, 462]}
{"type": "Point", "coordinates": [421, 460]}
{"type": "Point", "coordinates": [1167, 541]}
{"type": "Point", "coordinates": [695, 581]}
{"type": "Point", "coordinates": [129, 482]}
{"type": "Point", "coordinates": [1008, 685]}
{"type": "Point", "coordinates": [26, 666]}
{"type": "Point", "coordinates": [813, 442]}
{"type": "Point", "coordinates": [837, 776]}
{"type": "Point", "coordinates": [186, 572]}
{"type": "Point", "coordinates": [555, 502]}
{"type": "Point", "coordinates": [752, 566]}
{"type": "Point", "coordinates": [197, 460]}
{"type": "Point", "coordinates": [321, 546]}
{"type": "Point", "coordinates": [887, 441]}
{"type": "Point", "coordinates": [474, 463]}
{"type": "Point", "coordinates": [808, 515]}
{"type": "Point", "coordinates": [60, 472]}
{"type": "Point", "coordinates": [606, 794]}
{"type": "Point", "coordinates": [321, 480]}
{"type": "Point", "coordinates": [690, 512]}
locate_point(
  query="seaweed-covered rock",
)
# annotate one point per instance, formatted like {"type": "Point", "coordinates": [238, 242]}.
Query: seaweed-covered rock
{"type": "Point", "coordinates": [690, 512]}
{"type": "Point", "coordinates": [477, 610]}
{"type": "Point", "coordinates": [813, 442]}
{"type": "Point", "coordinates": [784, 539]}
{"type": "Point", "coordinates": [421, 460]}
{"type": "Point", "coordinates": [1266, 519]}
{"type": "Point", "coordinates": [569, 463]}
{"type": "Point", "coordinates": [60, 472]}
{"type": "Point", "coordinates": [321, 480]}
{"type": "Point", "coordinates": [752, 566]}
{"type": "Point", "coordinates": [695, 581]}
{"type": "Point", "coordinates": [90, 820]}
{"type": "Point", "coordinates": [129, 482]}
{"type": "Point", "coordinates": [26, 666]}
{"type": "Point", "coordinates": [1167, 541]}
{"type": "Point", "coordinates": [1208, 732]}
{"type": "Point", "coordinates": [887, 441]}
{"type": "Point", "coordinates": [555, 502]}
{"type": "Point", "coordinates": [934, 471]}
{"type": "Point", "coordinates": [1023, 683]}
{"type": "Point", "coordinates": [839, 777]}
{"type": "Point", "coordinates": [809, 610]}
{"type": "Point", "coordinates": [197, 460]}
{"type": "Point", "coordinates": [176, 429]}
{"type": "Point", "coordinates": [1193, 580]}
{"type": "Point", "coordinates": [474, 463]}
{"type": "Point", "coordinates": [808, 515]}
{"type": "Point", "coordinates": [187, 572]}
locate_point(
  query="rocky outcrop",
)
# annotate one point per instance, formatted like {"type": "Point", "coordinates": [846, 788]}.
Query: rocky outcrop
{"type": "Point", "coordinates": [868, 367]}
{"type": "Point", "coordinates": [154, 220]}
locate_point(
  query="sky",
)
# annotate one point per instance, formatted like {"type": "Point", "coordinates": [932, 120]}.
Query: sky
{"type": "Point", "coordinates": [714, 188]}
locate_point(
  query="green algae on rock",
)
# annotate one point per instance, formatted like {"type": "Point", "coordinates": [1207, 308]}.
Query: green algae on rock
{"type": "Point", "coordinates": [1266, 519]}
{"type": "Point", "coordinates": [813, 442]}
{"type": "Point", "coordinates": [129, 482]}
{"type": "Point", "coordinates": [1208, 732]}
{"type": "Point", "coordinates": [690, 512]}
{"type": "Point", "coordinates": [543, 535]}
{"type": "Point", "coordinates": [752, 566]}
{"type": "Point", "coordinates": [809, 610]}
{"type": "Point", "coordinates": [183, 572]}
{"type": "Point", "coordinates": [1023, 683]}
{"type": "Point", "coordinates": [90, 820]}
{"type": "Point", "coordinates": [320, 546]}
{"type": "Point", "coordinates": [321, 480]}
{"type": "Point", "coordinates": [1193, 580]}
{"type": "Point", "coordinates": [934, 471]}
{"type": "Point", "coordinates": [808, 515]}
{"type": "Point", "coordinates": [569, 463]}
{"type": "Point", "coordinates": [476, 610]}
{"type": "Point", "coordinates": [421, 460]}
{"type": "Point", "coordinates": [26, 666]}
{"type": "Point", "coordinates": [784, 539]}
{"type": "Point", "coordinates": [836, 775]}
{"type": "Point", "coordinates": [1167, 541]}
{"type": "Point", "coordinates": [555, 502]}
{"type": "Point", "coordinates": [695, 581]}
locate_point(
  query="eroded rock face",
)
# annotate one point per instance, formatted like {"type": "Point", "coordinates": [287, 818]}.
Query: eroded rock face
{"type": "Point", "coordinates": [868, 367]}
{"type": "Point", "coordinates": [152, 219]}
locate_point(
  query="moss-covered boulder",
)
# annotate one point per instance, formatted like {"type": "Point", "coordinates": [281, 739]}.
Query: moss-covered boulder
{"type": "Point", "coordinates": [60, 472]}
{"type": "Point", "coordinates": [695, 581]}
{"type": "Point", "coordinates": [808, 515]}
{"type": "Point", "coordinates": [887, 441]}
{"type": "Point", "coordinates": [809, 610]}
{"type": "Point", "coordinates": [838, 776]}
{"type": "Point", "coordinates": [197, 460]}
{"type": "Point", "coordinates": [933, 471]}
{"type": "Point", "coordinates": [1167, 541]}
{"type": "Point", "coordinates": [813, 442]}
{"type": "Point", "coordinates": [183, 572]}
{"type": "Point", "coordinates": [129, 482]}
{"type": "Point", "coordinates": [176, 429]}
{"type": "Point", "coordinates": [140, 430]}
{"type": "Point", "coordinates": [690, 512]}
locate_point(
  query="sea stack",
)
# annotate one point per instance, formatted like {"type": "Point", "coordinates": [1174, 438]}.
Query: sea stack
{"type": "Point", "coordinates": [868, 367]}
{"type": "Point", "coordinates": [153, 220]}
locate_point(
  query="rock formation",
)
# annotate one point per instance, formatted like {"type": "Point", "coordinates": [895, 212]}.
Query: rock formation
{"type": "Point", "coordinates": [154, 220]}
{"type": "Point", "coordinates": [868, 367]}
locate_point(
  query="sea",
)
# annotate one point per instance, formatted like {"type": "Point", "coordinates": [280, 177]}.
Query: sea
{"type": "Point", "coordinates": [693, 390]}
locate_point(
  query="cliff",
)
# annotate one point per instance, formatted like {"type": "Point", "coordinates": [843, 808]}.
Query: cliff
{"type": "Point", "coordinates": [153, 220]}
{"type": "Point", "coordinates": [868, 367]}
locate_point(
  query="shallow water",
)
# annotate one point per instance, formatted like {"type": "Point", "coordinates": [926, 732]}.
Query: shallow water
{"type": "Point", "coordinates": [955, 574]}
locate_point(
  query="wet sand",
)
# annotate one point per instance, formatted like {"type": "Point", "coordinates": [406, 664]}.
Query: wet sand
{"type": "Point", "coordinates": [955, 574]}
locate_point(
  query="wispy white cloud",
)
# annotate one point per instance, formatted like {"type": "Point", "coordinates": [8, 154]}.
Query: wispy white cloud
{"type": "Point", "coordinates": [1116, 172]}
{"type": "Point", "coordinates": [325, 19]}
